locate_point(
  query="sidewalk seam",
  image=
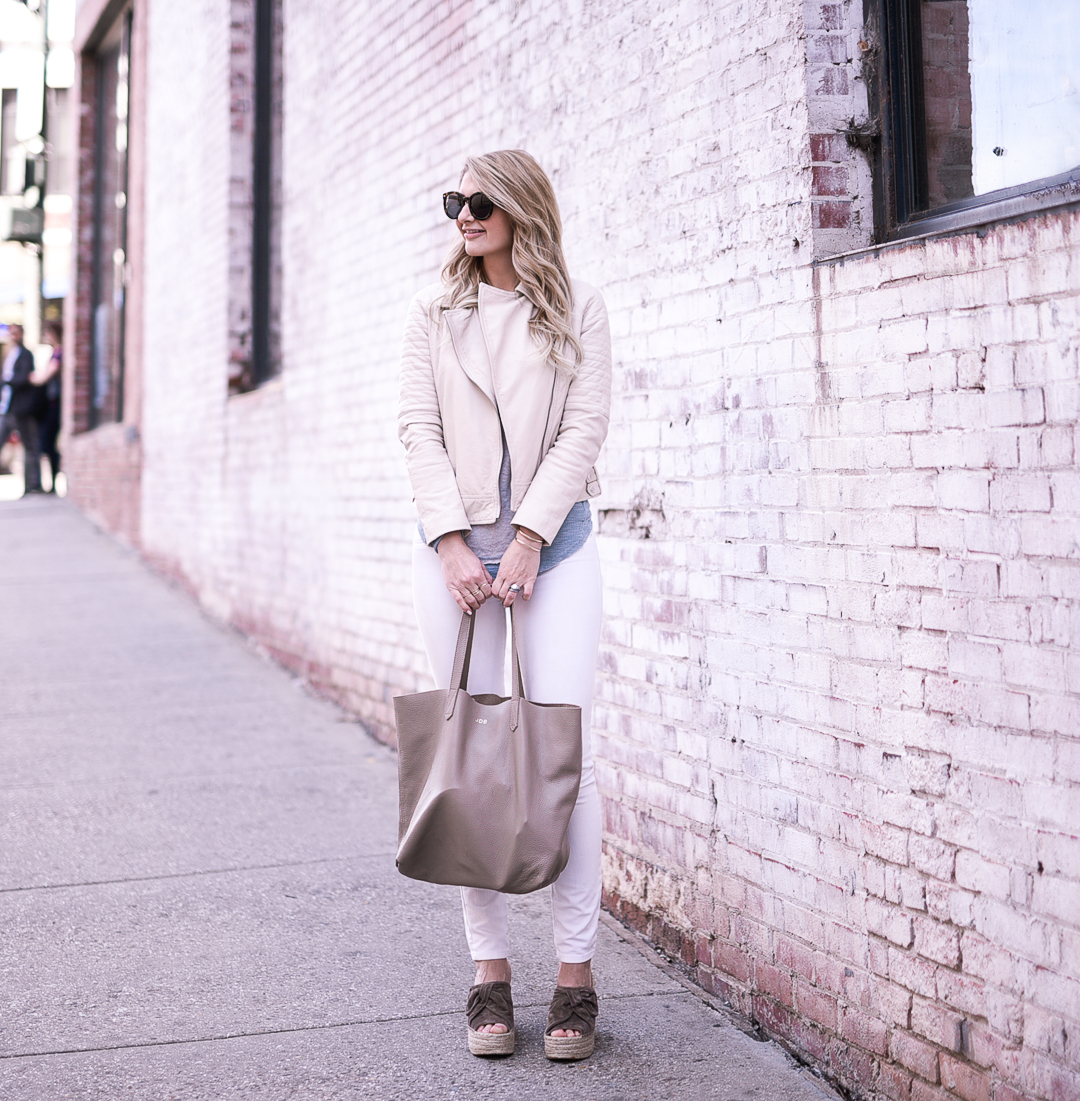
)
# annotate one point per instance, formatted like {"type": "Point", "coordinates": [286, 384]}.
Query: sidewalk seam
{"type": "Point", "coordinates": [195, 874]}
{"type": "Point", "coordinates": [307, 1028]}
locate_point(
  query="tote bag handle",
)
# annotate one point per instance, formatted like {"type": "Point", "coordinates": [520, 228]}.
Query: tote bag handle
{"type": "Point", "coordinates": [459, 677]}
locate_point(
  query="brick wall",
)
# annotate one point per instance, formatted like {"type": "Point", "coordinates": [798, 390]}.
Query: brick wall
{"type": "Point", "coordinates": [854, 808]}
{"type": "Point", "coordinates": [839, 730]}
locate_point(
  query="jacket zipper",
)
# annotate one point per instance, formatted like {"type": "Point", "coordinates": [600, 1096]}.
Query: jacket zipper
{"type": "Point", "coordinates": [547, 422]}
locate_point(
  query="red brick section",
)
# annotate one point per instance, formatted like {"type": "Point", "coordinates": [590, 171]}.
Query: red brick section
{"type": "Point", "coordinates": [963, 1080]}
{"type": "Point", "coordinates": [916, 1055]}
{"type": "Point", "coordinates": [104, 472]}
{"type": "Point", "coordinates": [830, 178]}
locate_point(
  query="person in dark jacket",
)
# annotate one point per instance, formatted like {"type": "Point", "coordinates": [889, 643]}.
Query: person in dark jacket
{"type": "Point", "coordinates": [47, 382]}
{"type": "Point", "coordinates": [18, 397]}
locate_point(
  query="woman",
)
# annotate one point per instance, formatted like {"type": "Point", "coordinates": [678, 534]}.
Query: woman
{"type": "Point", "coordinates": [505, 391]}
{"type": "Point", "coordinates": [49, 380]}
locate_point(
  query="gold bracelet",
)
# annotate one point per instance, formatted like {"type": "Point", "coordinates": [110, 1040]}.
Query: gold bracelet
{"type": "Point", "coordinates": [524, 541]}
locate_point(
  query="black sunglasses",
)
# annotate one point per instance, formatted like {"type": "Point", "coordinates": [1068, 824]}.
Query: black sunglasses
{"type": "Point", "coordinates": [480, 206]}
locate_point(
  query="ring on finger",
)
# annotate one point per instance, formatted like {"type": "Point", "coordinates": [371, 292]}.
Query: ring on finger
{"type": "Point", "coordinates": [515, 588]}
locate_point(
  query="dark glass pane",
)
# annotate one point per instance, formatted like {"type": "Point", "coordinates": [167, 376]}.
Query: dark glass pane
{"type": "Point", "coordinates": [110, 223]}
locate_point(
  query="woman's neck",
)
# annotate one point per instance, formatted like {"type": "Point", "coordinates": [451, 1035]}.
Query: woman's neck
{"type": "Point", "coordinates": [500, 273]}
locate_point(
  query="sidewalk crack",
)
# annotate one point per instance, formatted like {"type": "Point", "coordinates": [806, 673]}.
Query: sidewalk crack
{"type": "Point", "coordinates": [135, 1045]}
{"type": "Point", "coordinates": [194, 874]}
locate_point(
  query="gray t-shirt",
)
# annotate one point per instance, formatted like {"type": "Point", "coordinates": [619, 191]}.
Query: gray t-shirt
{"type": "Point", "coordinates": [489, 541]}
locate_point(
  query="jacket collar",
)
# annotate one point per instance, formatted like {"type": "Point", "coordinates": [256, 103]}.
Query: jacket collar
{"type": "Point", "coordinates": [522, 290]}
{"type": "Point", "coordinates": [469, 347]}
{"type": "Point", "coordinates": [467, 337]}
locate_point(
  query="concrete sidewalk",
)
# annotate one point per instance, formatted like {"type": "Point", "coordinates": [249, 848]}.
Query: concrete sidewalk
{"type": "Point", "coordinates": [198, 896]}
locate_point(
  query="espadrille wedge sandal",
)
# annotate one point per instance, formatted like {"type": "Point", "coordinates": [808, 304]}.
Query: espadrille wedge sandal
{"type": "Point", "coordinates": [573, 1008]}
{"type": "Point", "coordinates": [490, 1004]}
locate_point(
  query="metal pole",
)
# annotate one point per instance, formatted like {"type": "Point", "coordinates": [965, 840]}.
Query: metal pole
{"type": "Point", "coordinates": [40, 295]}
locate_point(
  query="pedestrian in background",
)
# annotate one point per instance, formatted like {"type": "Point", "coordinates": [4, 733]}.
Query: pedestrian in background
{"type": "Point", "coordinates": [48, 380]}
{"type": "Point", "coordinates": [505, 392]}
{"type": "Point", "coordinates": [18, 396]}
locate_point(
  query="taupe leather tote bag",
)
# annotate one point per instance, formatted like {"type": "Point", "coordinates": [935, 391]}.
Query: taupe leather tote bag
{"type": "Point", "coordinates": [486, 783]}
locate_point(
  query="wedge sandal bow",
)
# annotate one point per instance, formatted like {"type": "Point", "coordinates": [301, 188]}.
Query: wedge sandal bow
{"type": "Point", "coordinates": [573, 1008]}
{"type": "Point", "coordinates": [490, 1003]}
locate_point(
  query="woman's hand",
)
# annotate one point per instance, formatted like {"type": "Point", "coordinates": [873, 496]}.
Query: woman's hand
{"type": "Point", "coordinates": [519, 566]}
{"type": "Point", "coordinates": [464, 575]}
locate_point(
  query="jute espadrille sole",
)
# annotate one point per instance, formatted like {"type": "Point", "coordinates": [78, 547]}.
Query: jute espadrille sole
{"type": "Point", "coordinates": [573, 1009]}
{"type": "Point", "coordinates": [569, 1047]}
{"type": "Point", "coordinates": [492, 1043]}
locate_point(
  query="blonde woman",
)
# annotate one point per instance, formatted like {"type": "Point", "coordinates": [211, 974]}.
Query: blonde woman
{"type": "Point", "coordinates": [505, 391]}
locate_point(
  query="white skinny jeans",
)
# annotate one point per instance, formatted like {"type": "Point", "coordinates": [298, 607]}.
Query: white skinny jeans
{"type": "Point", "coordinates": [558, 640]}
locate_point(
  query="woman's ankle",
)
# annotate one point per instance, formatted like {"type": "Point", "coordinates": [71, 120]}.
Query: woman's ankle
{"type": "Point", "coordinates": [492, 971]}
{"type": "Point", "coordinates": [576, 974]}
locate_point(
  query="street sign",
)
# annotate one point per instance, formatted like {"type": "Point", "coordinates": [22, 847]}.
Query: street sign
{"type": "Point", "coordinates": [21, 224]}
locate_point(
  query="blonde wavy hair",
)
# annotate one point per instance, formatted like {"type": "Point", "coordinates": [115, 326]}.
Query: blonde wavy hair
{"type": "Point", "coordinates": [514, 182]}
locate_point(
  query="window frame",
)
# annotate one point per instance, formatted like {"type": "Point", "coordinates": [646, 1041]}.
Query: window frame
{"type": "Point", "coordinates": [895, 90]}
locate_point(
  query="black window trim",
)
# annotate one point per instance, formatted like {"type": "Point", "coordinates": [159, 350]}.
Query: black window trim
{"type": "Point", "coordinates": [895, 98]}
{"type": "Point", "coordinates": [263, 366]}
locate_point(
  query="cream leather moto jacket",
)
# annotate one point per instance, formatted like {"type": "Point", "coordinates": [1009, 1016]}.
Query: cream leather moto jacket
{"type": "Point", "coordinates": [465, 371]}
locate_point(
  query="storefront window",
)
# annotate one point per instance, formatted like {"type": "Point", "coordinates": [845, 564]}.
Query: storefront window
{"type": "Point", "coordinates": [110, 225]}
{"type": "Point", "coordinates": [981, 100]}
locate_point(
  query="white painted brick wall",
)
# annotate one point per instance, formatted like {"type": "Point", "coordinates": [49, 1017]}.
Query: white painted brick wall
{"type": "Point", "coordinates": [839, 695]}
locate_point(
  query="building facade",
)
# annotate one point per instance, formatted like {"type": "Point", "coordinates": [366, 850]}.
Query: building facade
{"type": "Point", "coordinates": [839, 726]}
